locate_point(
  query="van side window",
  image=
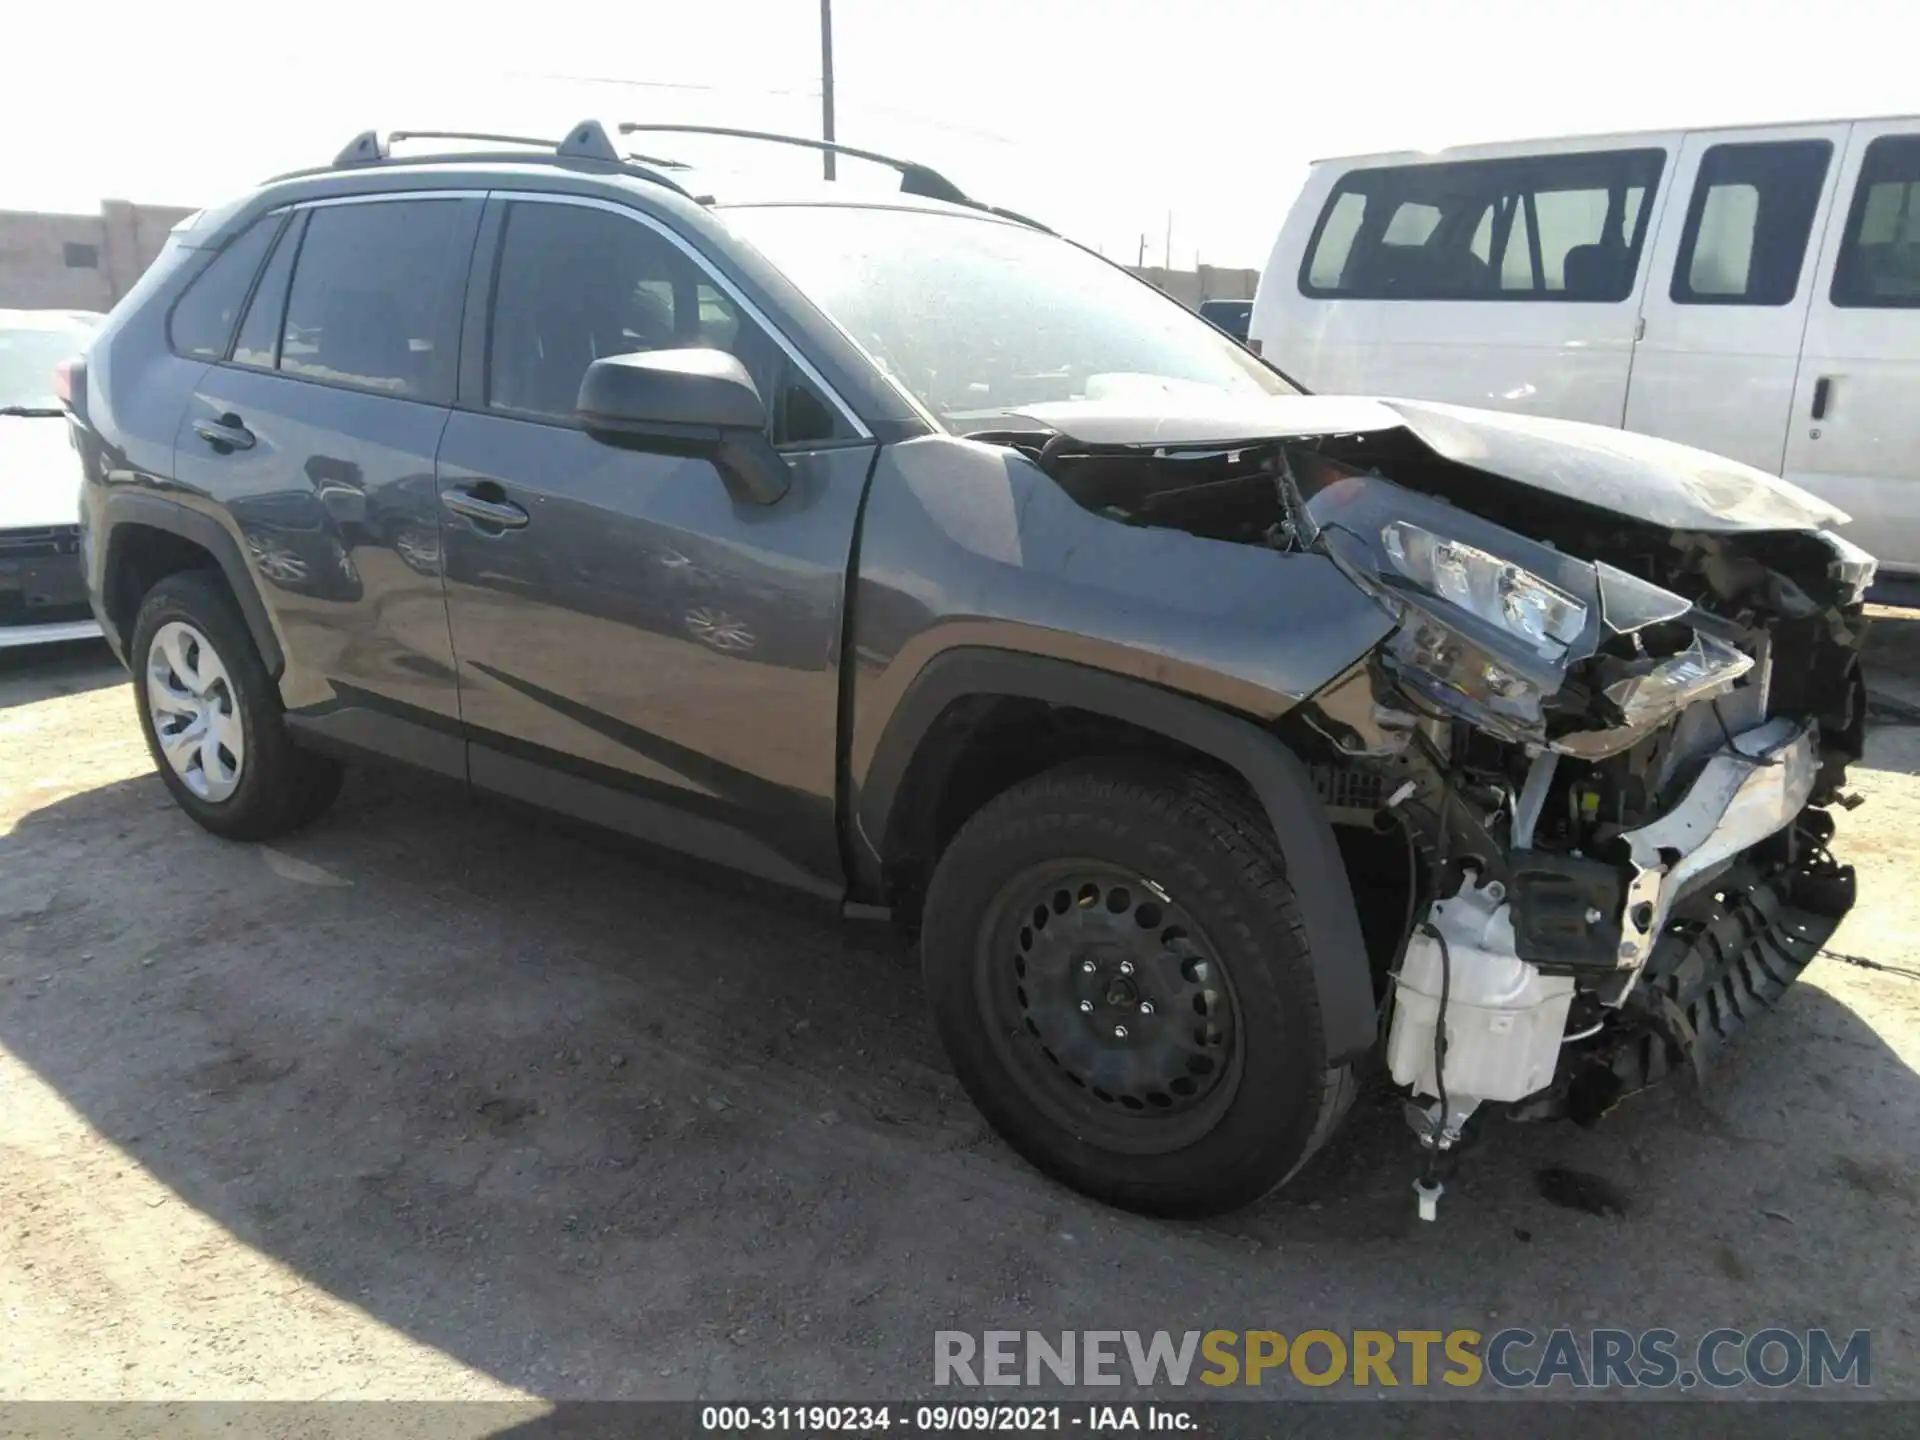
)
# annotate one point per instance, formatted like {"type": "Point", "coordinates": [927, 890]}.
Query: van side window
{"type": "Point", "coordinates": [1879, 264]}
{"type": "Point", "coordinates": [1748, 222]}
{"type": "Point", "coordinates": [1327, 261]}
{"type": "Point", "coordinates": [1537, 227]}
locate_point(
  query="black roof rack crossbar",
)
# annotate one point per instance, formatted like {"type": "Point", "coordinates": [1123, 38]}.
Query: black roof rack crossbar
{"type": "Point", "coordinates": [915, 179]}
{"type": "Point", "coordinates": [586, 141]}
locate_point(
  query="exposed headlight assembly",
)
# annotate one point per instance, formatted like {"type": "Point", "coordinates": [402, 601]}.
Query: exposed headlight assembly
{"type": "Point", "coordinates": [1498, 591]}
{"type": "Point", "coordinates": [1490, 621]}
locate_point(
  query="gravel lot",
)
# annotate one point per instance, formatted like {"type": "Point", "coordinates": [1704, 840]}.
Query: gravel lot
{"type": "Point", "coordinates": [438, 1100]}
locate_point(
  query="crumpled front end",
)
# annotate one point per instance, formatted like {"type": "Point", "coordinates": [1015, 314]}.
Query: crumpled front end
{"type": "Point", "coordinates": [1615, 747]}
{"type": "Point", "coordinates": [1610, 721]}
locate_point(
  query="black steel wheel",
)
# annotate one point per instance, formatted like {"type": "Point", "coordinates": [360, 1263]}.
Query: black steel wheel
{"type": "Point", "coordinates": [1120, 976]}
{"type": "Point", "coordinates": [1107, 994]}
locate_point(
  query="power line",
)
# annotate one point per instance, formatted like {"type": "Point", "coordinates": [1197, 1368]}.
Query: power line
{"type": "Point", "coordinates": [808, 94]}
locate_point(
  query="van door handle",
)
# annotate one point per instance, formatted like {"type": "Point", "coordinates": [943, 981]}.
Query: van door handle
{"type": "Point", "coordinates": [225, 435]}
{"type": "Point", "coordinates": [1822, 392]}
{"type": "Point", "coordinates": [494, 514]}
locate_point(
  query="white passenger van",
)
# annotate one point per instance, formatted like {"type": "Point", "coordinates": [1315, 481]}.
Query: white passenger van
{"type": "Point", "coordinates": [1753, 291]}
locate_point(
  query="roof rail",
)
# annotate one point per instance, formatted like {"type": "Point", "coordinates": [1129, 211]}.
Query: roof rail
{"type": "Point", "coordinates": [915, 178]}
{"type": "Point", "coordinates": [586, 141]}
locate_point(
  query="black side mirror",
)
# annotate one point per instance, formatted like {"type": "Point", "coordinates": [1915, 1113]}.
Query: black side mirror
{"type": "Point", "coordinates": [687, 402]}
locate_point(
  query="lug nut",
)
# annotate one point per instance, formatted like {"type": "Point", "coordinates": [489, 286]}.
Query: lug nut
{"type": "Point", "coordinates": [1119, 1032]}
{"type": "Point", "coordinates": [1126, 967]}
{"type": "Point", "coordinates": [1086, 1007]}
{"type": "Point", "coordinates": [1086, 967]}
{"type": "Point", "coordinates": [1146, 1007]}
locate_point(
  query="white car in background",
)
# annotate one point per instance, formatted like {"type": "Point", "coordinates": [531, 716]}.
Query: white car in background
{"type": "Point", "coordinates": [43, 591]}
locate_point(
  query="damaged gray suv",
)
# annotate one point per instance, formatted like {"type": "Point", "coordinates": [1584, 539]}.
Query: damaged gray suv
{"type": "Point", "coordinates": [1214, 739]}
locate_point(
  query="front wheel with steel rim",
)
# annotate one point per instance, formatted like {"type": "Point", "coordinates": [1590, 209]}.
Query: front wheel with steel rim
{"type": "Point", "coordinates": [212, 716]}
{"type": "Point", "coordinates": [1119, 974]}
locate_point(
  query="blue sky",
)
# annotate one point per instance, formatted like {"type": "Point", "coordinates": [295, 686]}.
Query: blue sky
{"type": "Point", "coordinates": [1101, 118]}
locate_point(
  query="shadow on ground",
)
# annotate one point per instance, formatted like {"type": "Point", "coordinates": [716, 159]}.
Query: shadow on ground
{"type": "Point", "coordinates": [30, 673]}
{"type": "Point", "coordinates": [602, 1125]}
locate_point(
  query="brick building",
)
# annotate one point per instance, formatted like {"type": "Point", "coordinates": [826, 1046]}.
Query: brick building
{"type": "Point", "coordinates": [79, 262]}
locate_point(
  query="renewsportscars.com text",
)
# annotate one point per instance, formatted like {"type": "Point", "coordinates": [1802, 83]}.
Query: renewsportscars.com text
{"type": "Point", "coordinates": [1512, 1358]}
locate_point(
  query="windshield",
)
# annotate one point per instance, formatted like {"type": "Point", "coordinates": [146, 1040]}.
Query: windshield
{"type": "Point", "coordinates": [977, 317]}
{"type": "Point", "coordinates": [30, 346]}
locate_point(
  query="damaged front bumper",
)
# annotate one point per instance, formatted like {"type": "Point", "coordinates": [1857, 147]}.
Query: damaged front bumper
{"type": "Point", "coordinates": [1750, 791]}
{"type": "Point", "coordinates": [1621, 684]}
{"type": "Point", "coordinates": [1596, 766]}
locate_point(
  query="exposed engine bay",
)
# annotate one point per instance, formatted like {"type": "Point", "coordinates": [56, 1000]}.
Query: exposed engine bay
{"type": "Point", "coordinates": [1608, 728]}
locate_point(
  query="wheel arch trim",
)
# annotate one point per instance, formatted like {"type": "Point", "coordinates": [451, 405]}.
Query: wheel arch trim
{"type": "Point", "coordinates": [122, 511]}
{"type": "Point", "coordinates": [1277, 777]}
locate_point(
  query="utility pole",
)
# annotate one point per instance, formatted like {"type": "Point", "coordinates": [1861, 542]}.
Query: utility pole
{"type": "Point", "coordinates": [826, 81]}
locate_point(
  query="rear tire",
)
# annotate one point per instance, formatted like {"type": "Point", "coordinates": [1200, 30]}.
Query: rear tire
{"type": "Point", "coordinates": [212, 717]}
{"type": "Point", "coordinates": [1119, 972]}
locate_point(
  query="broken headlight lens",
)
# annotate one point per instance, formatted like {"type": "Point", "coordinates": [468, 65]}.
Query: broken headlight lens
{"type": "Point", "coordinates": [1706, 667]}
{"type": "Point", "coordinates": [1497, 591]}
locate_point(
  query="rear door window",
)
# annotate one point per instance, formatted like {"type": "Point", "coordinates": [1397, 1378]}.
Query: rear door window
{"type": "Point", "coordinates": [258, 344]}
{"type": "Point", "coordinates": [1748, 223]}
{"type": "Point", "coordinates": [376, 296]}
{"type": "Point", "coordinates": [1879, 262]}
{"type": "Point", "coordinates": [203, 318]}
{"type": "Point", "coordinates": [1542, 227]}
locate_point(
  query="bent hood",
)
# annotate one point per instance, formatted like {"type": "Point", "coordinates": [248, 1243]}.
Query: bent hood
{"type": "Point", "coordinates": [1666, 484]}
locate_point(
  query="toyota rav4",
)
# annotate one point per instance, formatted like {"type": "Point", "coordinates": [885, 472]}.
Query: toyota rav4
{"type": "Point", "coordinates": [1212, 737]}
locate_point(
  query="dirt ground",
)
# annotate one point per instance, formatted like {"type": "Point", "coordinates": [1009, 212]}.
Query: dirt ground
{"type": "Point", "coordinates": [439, 1100]}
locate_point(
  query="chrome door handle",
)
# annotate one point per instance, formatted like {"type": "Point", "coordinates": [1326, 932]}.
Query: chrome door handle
{"type": "Point", "coordinates": [225, 435]}
{"type": "Point", "coordinates": [499, 514]}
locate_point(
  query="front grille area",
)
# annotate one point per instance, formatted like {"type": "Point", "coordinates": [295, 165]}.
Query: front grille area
{"type": "Point", "coordinates": [42, 581]}
{"type": "Point", "coordinates": [39, 542]}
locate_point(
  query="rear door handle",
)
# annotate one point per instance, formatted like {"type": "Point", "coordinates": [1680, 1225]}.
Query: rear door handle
{"type": "Point", "coordinates": [1822, 392]}
{"type": "Point", "coordinates": [494, 514]}
{"type": "Point", "coordinates": [225, 435]}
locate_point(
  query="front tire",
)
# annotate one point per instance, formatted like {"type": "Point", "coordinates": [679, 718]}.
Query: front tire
{"type": "Point", "coordinates": [212, 719]}
{"type": "Point", "coordinates": [1118, 970]}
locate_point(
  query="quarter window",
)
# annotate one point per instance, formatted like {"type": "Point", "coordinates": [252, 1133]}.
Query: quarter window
{"type": "Point", "coordinates": [1542, 227]}
{"type": "Point", "coordinates": [1748, 223]}
{"type": "Point", "coordinates": [577, 284]}
{"type": "Point", "coordinates": [376, 293]}
{"type": "Point", "coordinates": [1879, 264]}
{"type": "Point", "coordinates": [203, 318]}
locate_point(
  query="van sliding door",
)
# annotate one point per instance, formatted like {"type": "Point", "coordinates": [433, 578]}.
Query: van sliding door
{"type": "Point", "coordinates": [1853, 429]}
{"type": "Point", "coordinates": [1732, 277]}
